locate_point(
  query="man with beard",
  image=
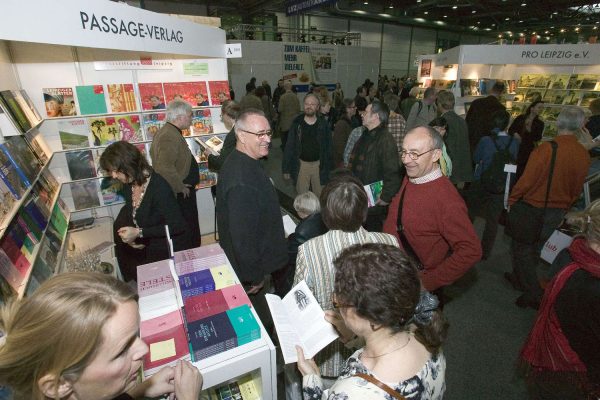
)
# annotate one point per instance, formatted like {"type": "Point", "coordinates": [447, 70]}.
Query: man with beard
{"type": "Point", "coordinates": [308, 154]}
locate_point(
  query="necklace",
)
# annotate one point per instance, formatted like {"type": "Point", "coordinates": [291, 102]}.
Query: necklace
{"type": "Point", "coordinates": [389, 352]}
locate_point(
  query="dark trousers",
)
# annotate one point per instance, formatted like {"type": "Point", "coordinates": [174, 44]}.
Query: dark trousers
{"type": "Point", "coordinates": [189, 211]}
{"type": "Point", "coordinates": [375, 218]}
{"type": "Point", "coordinates": [526, 257]}
{"type": "Point", "coordinates": [489, 207]}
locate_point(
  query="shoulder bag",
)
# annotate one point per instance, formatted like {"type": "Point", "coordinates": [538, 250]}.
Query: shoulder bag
{"type": "Point", "coordinates": [381, 385]}
{"type": "Point", "coordinates": [525, 222]}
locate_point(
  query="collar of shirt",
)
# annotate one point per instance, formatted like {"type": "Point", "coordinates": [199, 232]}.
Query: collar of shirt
{"type": "Point", "coordinates": [180, 131]}
{"type": "Point", "coordinates": [433, 175]}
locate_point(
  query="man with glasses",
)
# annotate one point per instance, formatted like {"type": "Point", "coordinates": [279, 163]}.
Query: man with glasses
{"type": "Point", "coordinates": [428, 215]}
{"type": "Point", "coordinates": [173, 160]}
{"type": "Point", "coordinates": [308, 154]}
{"type": "Point", "coordinates": [248, 215]}
{"type": "Point", "coordinates": [374, 158]}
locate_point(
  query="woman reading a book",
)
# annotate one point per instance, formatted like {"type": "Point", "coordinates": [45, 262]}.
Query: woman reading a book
{"type": "Point", "coordinates": [77, 337]}
{"type": "Point", "coordinates": [139, 229]}
{"type": "Point", "coordinates": [379, 297]}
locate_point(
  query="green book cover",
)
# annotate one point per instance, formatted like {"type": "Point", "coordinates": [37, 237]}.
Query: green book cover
{"type": "Point", "coordinates": [244, 324]}
{"type": "Point", "coordinates": [91, 99]}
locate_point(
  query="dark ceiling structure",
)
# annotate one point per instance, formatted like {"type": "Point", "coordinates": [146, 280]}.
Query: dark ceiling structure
{"type": "Point", "coordinates": [550, 20]}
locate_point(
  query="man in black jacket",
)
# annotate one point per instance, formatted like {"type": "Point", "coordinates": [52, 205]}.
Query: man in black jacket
{"type": "Point", "coordinates": [478, 117]}
{"type": "Point", "coordinates": [375, 158]}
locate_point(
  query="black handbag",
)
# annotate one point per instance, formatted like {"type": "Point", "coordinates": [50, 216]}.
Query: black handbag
{"type": "Point", "coordinates": [525, 222]}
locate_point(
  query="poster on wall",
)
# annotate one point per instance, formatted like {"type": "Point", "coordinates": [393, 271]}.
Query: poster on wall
{"type": "Point", "coordinates": [195, 93]}
{"type": "Point", "coordinates": [324, 60]}
{"type": "Point", "coordinates": [219, 92]}
{"type": "Point", "coordinates": [425, 68]}
{"type": "Point", "coordinates": [152, 96]}
{"type": "Point", "coordinates": [297, 64]}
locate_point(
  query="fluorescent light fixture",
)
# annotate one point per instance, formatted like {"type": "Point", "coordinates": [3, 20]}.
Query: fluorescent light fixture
{"type": "Point", "coordinates": [440, 23]}
{"type": "Point", "coordinates": [420, 19]}
{"type": "Point", "coordinates": [360, 12]}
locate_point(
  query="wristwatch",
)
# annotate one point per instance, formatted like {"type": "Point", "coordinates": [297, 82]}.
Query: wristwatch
{"type": "Point", "coordinates": [140, 233]}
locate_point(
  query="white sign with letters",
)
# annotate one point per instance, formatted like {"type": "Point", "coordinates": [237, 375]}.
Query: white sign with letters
{"type": "Point", "coordinates": [233, 50]}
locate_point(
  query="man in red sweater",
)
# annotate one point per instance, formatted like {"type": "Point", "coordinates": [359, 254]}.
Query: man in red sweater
{"type": "Point", "coordinates": [428, 215]}
{"type": "Point", "coordinates": [570, 169]}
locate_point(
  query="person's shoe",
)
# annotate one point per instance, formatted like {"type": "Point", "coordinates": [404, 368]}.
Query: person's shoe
{"type": "Point", "coordinates": [512, 279]}
{"type": "Point", "coordinates": [524, 301]}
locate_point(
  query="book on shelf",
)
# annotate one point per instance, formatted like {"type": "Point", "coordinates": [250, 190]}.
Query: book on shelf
{"type": "Point", "coordinates": [36, 115]}
{"type": "Point", "coordinates": [213, 144]}
{"type": "Point", "coordinates": [32, 116]}
{"type": "Point", "coordinates": [8, 126]}
{"type": "Point", "coordinates": [74, 133]}
{"type": "Point", "coordinates": [27, 163]}
{"type": "Point", "coordinates": [111, 190]}
{"type": "Point", "coordinates": [40, 272]}
{"type": "Point", "coordinates": [152, 124]}
{"type": "Point", "coordinates": [59, 218]}
{"type": "Point", "coordinates": [222, 332]}
{"type": "Point", "coordinates": [300, 320]}
{"type": "Point", "coordinates": [559, 81]}
{"type": "Point", "coordinates": [586, 81]}
{"type": "Point", "coordinates": [156, 290]}
{"type": "Point", "coordinates": [38, 144]}
{"type": "Point", "coordinates": [14, 108]}
{"type": "Point", "coordinates": [206, 177]}
{"type": "Point", "coordinates": [81, 164]}
{"type": "Point", "coordinates": [244, 388]}
{"type": "Point", "coordinates": [373, 191]}
{"type": "Point", "coordinates": [219, 92]}
{"type": "Point", "coordinates": [59, 102]}
{"type": "Point", "coordinates": [121, 97]}
{"type": "Point", "coordinates": [554, 96]}
{"type": "Point", "coordinates": [194, 93]}
{"type": "Point", "coordinates": [152, 96]}
{"type": "Point", "coordinates": [13, 178]}
{"type": "Point", "coordinates": [85, 194]}
{"type": "Point", "coordinates": [167, 340]}
{"type": "Point", "coordinates": [587, 98]}
{"type": "Point", "coordinates": [202, 122]}
{"type": "Point", "coordinates": [7, 200]}
{"type": "Point", "coordinates": [104, 130]}
{"type": "Point", "coordinates": [130, 128]}
{"type": "Point", "coordinates": [12, 243]}
{"type": "Point", "coordinates": [9, 272]}
{"type": "Point", "coordinates": [91, 99]}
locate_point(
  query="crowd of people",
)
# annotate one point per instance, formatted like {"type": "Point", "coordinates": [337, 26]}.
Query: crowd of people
{"type": "Point", "coordinates": [378, 268]}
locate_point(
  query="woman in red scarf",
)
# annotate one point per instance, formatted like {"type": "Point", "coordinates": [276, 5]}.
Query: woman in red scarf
{"type": "Point", "coordinates": [563, 348]}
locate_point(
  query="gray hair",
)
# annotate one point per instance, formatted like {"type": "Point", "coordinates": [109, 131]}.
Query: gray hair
{"type": "Point", "coordinates": [177, 108]}
{"type": "Point", "coordinates": [382, 111]}
{"type": "Point", "coordinates": [307, 203]}
{"type": "Point", "coordinates": [392, 101]}
{"type": "Point", "coordinates": [242, 120]}
{"type": "Point", "coordinates": [570, 119]}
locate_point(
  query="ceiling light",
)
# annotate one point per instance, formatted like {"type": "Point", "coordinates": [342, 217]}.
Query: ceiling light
{"type": "Point", "coordinates": [595, 27]}
{"type": "Point", "coordinates": [547, 32]}
{"type": "Point", "coordinates": [426, 12]}
{"type": "Point", "coordinates": [420, 19]}
{"type": "Point", "coordinates": [445, 16]}
{"type": "Point", "coordinates": [500, 35]}
{"type": "Point", "coordinates": [391, 6]}
{"type": "Point", "coordinates": [562, 30]}
{"type": "Point", "coordinates": [555, 12]}
{"type": "Point", "coordinates": [479, 22]}
{"type": "Point", "coordinates": [366, 3]}
{"type": "Point", "coordinates": [473, 12]}
{"type": "Point", "coordinates": [360, 12]}
{"type": "Point", "coordinates": [440, 23]}
{"type": "Point", "coordinates": [488, 29]}
{"type": "Point", "coordinates": [521, 21]}
{"type": "Point", "coordinates": [533, 33]}
{"type": "Point", "coordinates": [507, 18]}
{"type": "Point", "coordinates": [385, 15]}
{"type": "Point", "coordinates": [454, 7]}
{"type": "Point", "coordinates": [523, 4]}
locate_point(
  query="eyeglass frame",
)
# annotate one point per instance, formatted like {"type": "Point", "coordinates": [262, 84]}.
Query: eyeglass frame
{"type": "Point", "coordinates": [259, 135]}
{"type": "Point", "coordinates": [414, 156]}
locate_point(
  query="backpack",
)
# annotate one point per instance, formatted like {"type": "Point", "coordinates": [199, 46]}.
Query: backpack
{"type": "Point", "coordinates": [493, 179]}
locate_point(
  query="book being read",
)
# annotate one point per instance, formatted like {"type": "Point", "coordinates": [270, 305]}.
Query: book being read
{"type": "Point", "coordinates": [300, 320]}
{"type": "Point", "coordinates": [214, 144]}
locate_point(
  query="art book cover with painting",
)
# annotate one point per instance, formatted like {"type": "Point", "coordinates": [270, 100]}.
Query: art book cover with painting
{"type": "Point", "coordinates": [74, 133]}
{"type": "Point", "coordinates": [153, 123]}
{"type": "Point", "coordinates": [104, 130]}
{"type": "Point", "coordinates": [121, 97]}
{"type": "Point", "coordinates": [130, 128]}
{"type": "Point", "coordinates": [152, 96]}
{"type": "Point", "coordinates": [59, 102]}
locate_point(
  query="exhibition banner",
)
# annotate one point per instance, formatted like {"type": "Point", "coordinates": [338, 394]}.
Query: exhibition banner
{"type": "Point", "coordinates": [299, 6]}
{"type": "Point", "coordinates": [310, 63]}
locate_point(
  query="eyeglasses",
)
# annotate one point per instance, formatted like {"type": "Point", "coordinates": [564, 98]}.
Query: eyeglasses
{"type": "Point", "coordinates": [413, 155]}
{"type": "Point", "coordinates": [259, 135]}
{"type": "Point", "coordinates": [337, 305]}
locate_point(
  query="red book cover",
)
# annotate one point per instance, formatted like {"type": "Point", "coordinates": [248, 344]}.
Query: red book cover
{"type": "Point", "coordinates": [166, 338]}
{"type": "Point", "coordinates": [219, 92]}
{"type": "Point", "coordinates": [152, 96]}
{"type": "Point", "coordinates": [195, 93]}
{"type": "Point", "coordinates": [9, 271]}
{"type": "Point", "coordinates": [205, 305]}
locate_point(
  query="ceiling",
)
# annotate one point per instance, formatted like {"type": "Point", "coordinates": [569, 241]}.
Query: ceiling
{"type": "Point", "coordinates": [552, 20]}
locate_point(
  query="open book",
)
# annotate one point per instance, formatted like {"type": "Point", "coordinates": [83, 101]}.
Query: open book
{"type": "Point", "coordinates": [214, 144]}
{"type": "Point", "coordinates": [300, 320]}
{"type": "Point", "coordinates": [373, 191]}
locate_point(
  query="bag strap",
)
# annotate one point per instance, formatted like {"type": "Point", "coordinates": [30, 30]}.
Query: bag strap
{"type": "Point", "coordinates": [552, 161]}
{"type": "Point", "coordinates": [400, 229]}
{"type": "Point", "coordinates": [381, 385]}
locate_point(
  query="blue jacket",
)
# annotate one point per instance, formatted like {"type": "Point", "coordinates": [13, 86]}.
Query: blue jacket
{"type": "Point", "coordinates": [485, 151]}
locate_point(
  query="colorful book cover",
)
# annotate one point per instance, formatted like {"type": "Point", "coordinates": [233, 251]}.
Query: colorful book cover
{"type": "Point", "coordinates": [202, 122]}
{"type": "Point", "coordinates": [153, 123]}
{"type": "Point", "coordinates": [195, 93]}
{"type": "Point", "coordinates": [91, 99]}
{"type": "Point", "coordinates": [222, 276]}
{"type": "Point", "coordinates": [212, 335]}
{"type": "Point", "coordinates": [7, 200]}
{"type": "Point", "coordinates": [34, 212]}
{"type": "Point", "coordinates": [10, 176]}
{"type": "Point", "coordinates": [166, 337]}
{"type": "Point", "coordinates": [219, 92]}
{"type": "Point", "coordinates": [248, 388]}
{"type": "Point", "coordinates": [373, 191]}
{"type": "Point", "coordinates": [38, 144]}
{"type": "Point", "coordinates": [13, 107]}
{"type": "Point", "coordinates": [196, 283]}
{"type": "Point", "coordinates": [244, 324]}
{"type": "Point", "coordinates": [154, 278]}
{"type": "Point", "coordinates": [32, 116]}
{"type": "Point", "coordinates": [59, 102]}
{"type": "Point", "coordinates": [121, 97]}
{"type": "Point", "coordinates": [111, 190]}
{"type": "Point", "coordinates": [74, 133]}
{"type": "Point", "coordinates": [204, 305]}
{"type": "Point", "coordinates": [34, 110]}
{"type": "Point", "coordinates": [9, 272]}
{"type": "Point", "coordinates": [235, 296]}
{"type": "Point", "coordinates": [559, 81]}
{"type": "Point", "coordinates": [130, 128]}
{"type": "Point", "coordinates": [27, 164]}
{"type": "Point", "coordinates": [152, 96]}
{"type": "Point", "coordinates": [105, 130]}
{"type": "Point", "coordinates": [207, 256]}
{"type": "Point", "coordinates": [81, 164]}
{"type": "Point", "coordinates": [13, 251]}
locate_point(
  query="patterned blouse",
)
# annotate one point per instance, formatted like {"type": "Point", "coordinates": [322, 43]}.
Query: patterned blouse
{"type": "Point", "coordinates": [428, 384]}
